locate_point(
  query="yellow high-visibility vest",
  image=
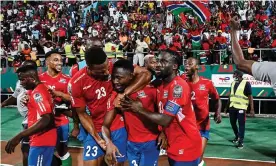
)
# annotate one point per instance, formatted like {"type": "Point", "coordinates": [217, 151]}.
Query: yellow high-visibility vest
{"type": "Point", "coordinates": [108, 50]}
{"type": "Point", "coordinates": [238, 100]}
{"type": "Point", "coordinates": [81, 53]}
{"type": "Point", "coordinates": [68, 51]}
{"type": "Point", "coordinates": [119, 53]}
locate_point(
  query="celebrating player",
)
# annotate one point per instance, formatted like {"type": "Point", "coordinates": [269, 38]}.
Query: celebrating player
{"type": "Point", "coordinates": [57, 84]}
{"type": "Point", "coordinates": [41, 126]}
{"type": "Point", "coordinates": [142, 148]}
{"type": "Point", "coordinates": [23, 110]}
{"type": "Point", "coordinates": [176, 113]}
{"type": "Point", "coordinates": [201, 89]}
{"type": "Point", "coordinates": [91, 87]}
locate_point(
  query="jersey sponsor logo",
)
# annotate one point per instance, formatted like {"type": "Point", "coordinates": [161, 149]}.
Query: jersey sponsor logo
{"type": "Point", "coordinates": [181, 151]}
{"type": "Point", "coordinates": [202, 87]}
{"type": "Point", "coordinates": [62, 81]}
{"type": "Point", "coordinates": [177, 91]}
{"type": "Point", "coordinates": [141, 94]}
{"type": "Point", "coordinates": [37, 97]}
{"type": "Point", "coordinates": [165, 95]}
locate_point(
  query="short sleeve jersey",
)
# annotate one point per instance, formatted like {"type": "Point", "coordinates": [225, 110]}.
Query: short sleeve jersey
{"type": "Point", "coordinates": [183, 135]}
{"type": "Point", "coordinates": [58, 83]}
{"type": "Point", "coordinates": [200, 93]}
{"type": "Point", "coordinates": [264, 71]}
{"type": "Point", "coordinates": [40, 103]}
{"type": "Point", "coordinates": [86, 91]}
{"type": "Point", "coordinates": [139, 129]}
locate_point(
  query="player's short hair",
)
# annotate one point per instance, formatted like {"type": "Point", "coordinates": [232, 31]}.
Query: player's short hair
{"type": "Point", "coordinates": [26, 68]}
{"type": "Point", "coordinates": [196, 60]}
{"type": "Point", "coordinates": [48, 54]}
{"type": "Point", "coordinates": [125, 64]}
{"type": "Point", "coordinates": [29, 62]}
{"type": "Point", "coordinates": [95, 56]}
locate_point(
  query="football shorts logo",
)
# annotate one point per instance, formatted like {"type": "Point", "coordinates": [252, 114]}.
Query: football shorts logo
{"type": "Point", "coordinates": [37, 97]}
{"type": "Point", "coordinates": [177, 91]}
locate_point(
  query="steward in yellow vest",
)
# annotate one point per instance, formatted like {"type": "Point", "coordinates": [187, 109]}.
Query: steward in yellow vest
{"type": "Point", "coordinates": [109, 49]}
{"type": "Point", "coordinates": [239, 99]}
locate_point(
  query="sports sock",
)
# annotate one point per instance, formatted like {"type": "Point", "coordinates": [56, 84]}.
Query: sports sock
{"type": "Point", "coordinates": [66, 160]}
{"type": "Point", "coordinates": [202, 163]}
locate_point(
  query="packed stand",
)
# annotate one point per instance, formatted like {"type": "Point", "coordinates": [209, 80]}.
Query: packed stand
{"type": "Point", "coordinates": [133, 29]}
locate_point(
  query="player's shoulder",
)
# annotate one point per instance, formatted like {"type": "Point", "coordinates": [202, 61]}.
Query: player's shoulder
{"type": "Point", "coordinates": [40, 89]}
{"type": "Point", "coordinates": [42, 75]}
{"type": "Point", "coordinates": [178, 81]}
{"type": "Point", "coordinates": [80, 75]}
{"type": "Point", "coordinates": [65, 76]}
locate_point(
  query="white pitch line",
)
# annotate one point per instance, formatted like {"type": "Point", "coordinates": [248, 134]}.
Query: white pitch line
{"type": "Point", "coordinates": [240, 159]}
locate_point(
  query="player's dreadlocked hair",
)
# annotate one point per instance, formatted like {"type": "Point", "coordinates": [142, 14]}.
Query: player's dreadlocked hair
{"type": "Point", "coordinates": [95, 56]}
{"type": "Point", "coordinates": [125, 64]}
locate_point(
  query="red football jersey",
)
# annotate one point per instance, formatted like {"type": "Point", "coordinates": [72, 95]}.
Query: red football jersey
{"type": "Point", "coordinates": [58, 83]}
{"type": "Point", "coordinates": [138, 129]}
{"type": "Point", "coordinates": [86, 91]}
{"type": "Point", "coordinates": [40, 103]}
{"type": "Point", "coordinates": [200, 93]}
{"type": "Point", "coordinates": [183, 136]}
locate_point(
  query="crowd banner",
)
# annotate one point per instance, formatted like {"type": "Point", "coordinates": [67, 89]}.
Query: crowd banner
{"type": "Point", "coordinates": [221, 75]}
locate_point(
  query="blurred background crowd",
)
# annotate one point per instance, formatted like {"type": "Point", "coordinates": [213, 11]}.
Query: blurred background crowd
{"type": "Point", "coordinates": [132, 29]}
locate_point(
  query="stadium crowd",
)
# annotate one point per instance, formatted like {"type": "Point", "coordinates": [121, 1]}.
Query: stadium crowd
{"type": "Point", "coordinates": [132, 29]}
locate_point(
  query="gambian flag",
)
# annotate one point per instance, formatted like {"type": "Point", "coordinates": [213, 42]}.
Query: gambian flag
{"type": "Point", "coordinates": [196, 7]}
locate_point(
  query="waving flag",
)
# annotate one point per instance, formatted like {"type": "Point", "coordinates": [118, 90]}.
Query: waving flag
{"type": "Point", "coordinates": [200, 11]}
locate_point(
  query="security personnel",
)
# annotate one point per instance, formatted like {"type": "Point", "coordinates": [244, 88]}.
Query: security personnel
{"type": "Point", "coordinates": [71, 58]}
{"type": "Point", "coordinates": [109, 49]}
{"type": "Point", "coordinates": [240, 98]}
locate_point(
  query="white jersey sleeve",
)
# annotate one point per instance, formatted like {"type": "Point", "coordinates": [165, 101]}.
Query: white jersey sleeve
{"type": "Point", "coordinates": [18, 94]}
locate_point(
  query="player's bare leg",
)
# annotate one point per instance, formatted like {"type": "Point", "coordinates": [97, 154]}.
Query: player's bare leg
{"type": "Point", "coordinates": [204, 144]}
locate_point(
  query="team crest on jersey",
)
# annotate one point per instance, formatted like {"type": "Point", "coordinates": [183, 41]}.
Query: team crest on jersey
{"type": "Point", "coordinates": [202, 87]}
{"type": "Point", "coordinates": [38, 98]}
{"type": "Point", "coordinates": [62, 80]}
{"type": "Point", "coordinates": [177, 91]}
{"type": "Point", "coordinates": [141, 94]}
{"type": "Point", "coordinates": [165, 95]}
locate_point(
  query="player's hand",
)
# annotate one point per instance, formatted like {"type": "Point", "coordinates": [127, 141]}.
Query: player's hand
{"type": "Point", "coordinates": [117, 100]}
{"type": "Point", "coordinates": [13, 143]}
{"type": "Point", "coordinates": [162, 141]}
{"type": "Point", "coordinates": [129, 104]}
{"type": "Point", "coordinates": [217, 118]}
{"type": "Point", "coordinates": [101, 143]}
{"type": "Point", "coordinates": [235, 23]}
{"type": "Point", "coordinates": [55, 93]}
{"type": "Point", "coordinates": [75, 132]}
{"type": "Point", "coordinates": [110, 154]}
{"type": "Point", "coordinates": [24, 100]}
{"type": "Point", "coordinates": [225, 111]}
{"type": "Point", "coordinates": [252, 113]}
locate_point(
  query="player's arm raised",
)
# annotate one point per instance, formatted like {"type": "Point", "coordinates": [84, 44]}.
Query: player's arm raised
{"type": "Point", "coordinates": [242, 64]}
{"type": "Point", "coordinates": [11, 100]}
{"type": "Point", "coordinates": [142, 78]}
